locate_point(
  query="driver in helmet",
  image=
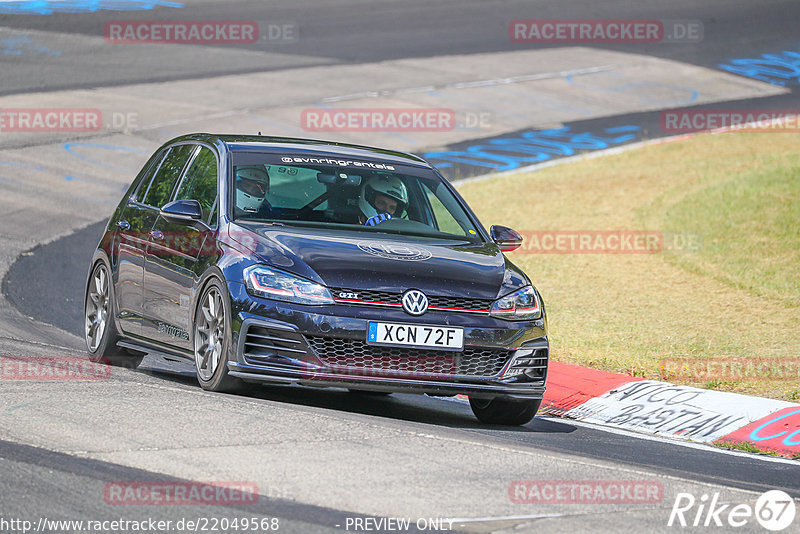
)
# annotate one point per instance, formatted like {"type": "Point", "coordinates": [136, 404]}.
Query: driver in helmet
{"type": "Point", "coordinates": [252, 186]}
{"type": "Point", "coordinates": [382, 197]}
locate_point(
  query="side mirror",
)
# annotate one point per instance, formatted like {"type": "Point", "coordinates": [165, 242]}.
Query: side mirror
{"type": "Point", "coordinates": [182, 210]}
{"type": "Point", "coordinates": [506, 238]}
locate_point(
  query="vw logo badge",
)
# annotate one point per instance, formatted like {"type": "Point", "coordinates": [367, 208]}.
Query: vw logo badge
{"type": "Point", "coordinates": [415, 302]}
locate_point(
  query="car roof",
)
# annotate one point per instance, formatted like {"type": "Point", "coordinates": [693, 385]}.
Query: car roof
{"type": "Point", "coordinates": [298, 146]}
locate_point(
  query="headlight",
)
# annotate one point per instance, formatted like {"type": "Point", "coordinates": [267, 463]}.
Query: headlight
{"type": "Point", "coordinates": [518, 306]}
{"type": "Point", "coordinates": [270, 283]}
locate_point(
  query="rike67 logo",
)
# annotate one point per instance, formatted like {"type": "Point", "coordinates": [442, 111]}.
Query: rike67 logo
{"type": "Point", "coordinates": [774, 511]}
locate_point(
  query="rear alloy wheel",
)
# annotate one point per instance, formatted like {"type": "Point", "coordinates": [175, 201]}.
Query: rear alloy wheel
{"type": "Point", "coordinates": [504, 412]}
{"type": "Point", "coordinates": [211, 341]}
{"type": "Point", "coordinates": [99, 330]}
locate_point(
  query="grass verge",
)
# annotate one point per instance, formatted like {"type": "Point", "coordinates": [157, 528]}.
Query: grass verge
{"type": "Point", "coordinates": [726, 286]}
{"type": "Point", "coordinates": [744, 446]}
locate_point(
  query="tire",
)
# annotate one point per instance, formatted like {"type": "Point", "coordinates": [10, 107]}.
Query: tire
{"type": "Point", "coordinates": [504, 412]}
{"type": "Point", "coordinates": [100, 332]}
{"type": "Point", "coordinates": [212, 320]}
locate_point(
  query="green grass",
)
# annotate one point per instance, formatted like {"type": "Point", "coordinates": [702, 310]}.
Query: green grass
{"type": "Point", "coordinates": [724, 385]}
{"type": "Point", "coordinates": [749, 228]}
{"type": "Point", "coordinates": [744, 446]}
{"type": "Point", "coordinates": [735, 294]}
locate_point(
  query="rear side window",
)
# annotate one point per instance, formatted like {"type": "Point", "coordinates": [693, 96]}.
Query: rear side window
{"type": "Point", "coordinates": [144, 184]}
{"type": "Point", "coordinates": [164, 181]}
{"type": "Point", "coordinates": [200, 182]}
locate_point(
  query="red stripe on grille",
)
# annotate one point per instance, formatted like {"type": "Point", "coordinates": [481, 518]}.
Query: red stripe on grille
{"type": "Point", "coordinates": [457, 309]}
{"type": "Point", "coordinates": [368, 302]}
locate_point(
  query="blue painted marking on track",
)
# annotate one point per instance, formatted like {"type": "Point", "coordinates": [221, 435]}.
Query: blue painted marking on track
{"type": "Point", "coordinates": [623, 129]}
{"type": "Point", "coordinates": [509, 153]}
{"type": "Point", "coordinates": [780, 69]}
{"type": "Point", "coordinates": [48, 7]}
{"type": "Point", "coordinates": [69, 148]}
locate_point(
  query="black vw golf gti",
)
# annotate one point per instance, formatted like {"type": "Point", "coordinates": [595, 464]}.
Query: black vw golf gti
{"type": "Point", "coordinates": [297, 261]}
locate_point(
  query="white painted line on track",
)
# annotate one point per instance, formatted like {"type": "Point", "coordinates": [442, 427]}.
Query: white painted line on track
{"type": "Point", "coordinates": [469, 85]}
{"type": "Point", "coordinates": [672, 440]}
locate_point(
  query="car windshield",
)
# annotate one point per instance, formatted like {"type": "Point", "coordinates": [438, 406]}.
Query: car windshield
{"type": "Point", "coordinates": [370, 197]}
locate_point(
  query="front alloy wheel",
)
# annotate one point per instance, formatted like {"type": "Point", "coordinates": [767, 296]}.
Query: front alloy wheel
{"type": "Point", "coordinates": [211, 341]}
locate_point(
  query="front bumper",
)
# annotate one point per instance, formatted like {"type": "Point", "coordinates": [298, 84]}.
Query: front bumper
{"type": "Point", "coordinates": [280, 342]}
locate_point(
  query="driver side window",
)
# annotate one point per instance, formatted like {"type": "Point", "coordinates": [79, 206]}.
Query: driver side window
{"type": "Point", "coordinates": [444, 220]}
{"type": "Point", "coordinates": [200, 184]}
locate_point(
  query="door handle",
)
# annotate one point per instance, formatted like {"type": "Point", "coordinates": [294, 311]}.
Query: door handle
{"type": "Point", "coordinates": [157, 235]}
{"type": "Point", "coordinates": [123, 225]}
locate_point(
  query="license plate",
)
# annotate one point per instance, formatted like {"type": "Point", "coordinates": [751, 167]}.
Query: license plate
{"type": "Point", "coordinates": [415, 335]}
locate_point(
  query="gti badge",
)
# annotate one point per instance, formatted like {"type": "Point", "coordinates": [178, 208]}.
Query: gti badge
{"type": "Point", "coordinates": [415, 302]}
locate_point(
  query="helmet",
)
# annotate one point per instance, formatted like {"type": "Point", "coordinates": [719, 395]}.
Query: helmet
{"type": "Point", "coordinates": [252, 186]}
{"type": "Point", "coordinates": [384, 184]}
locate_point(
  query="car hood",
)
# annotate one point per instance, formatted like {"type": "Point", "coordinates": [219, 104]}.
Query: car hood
{"type": "Point", "coordinates": [380, 262]}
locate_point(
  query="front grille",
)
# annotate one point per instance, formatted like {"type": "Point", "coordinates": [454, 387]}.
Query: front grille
{"type": "Point", "coordinates": [461, 303]}
{"type": "Point", "coordinates": [269, 345]}
{"type": "Point", "coordinates": [386, 297]}
{"type": "Point", "coordinates": [354, 355]}
{"type": "Point", "coordinates": [369, 295]}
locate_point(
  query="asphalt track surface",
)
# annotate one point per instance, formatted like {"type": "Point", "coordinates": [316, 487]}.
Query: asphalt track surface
{"type": "Point", "coordinates": [36, 477]}
{"type": "Point", "coordinates": [367, 31]}
{"type": "Point", "coordinates": [549, 433]}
